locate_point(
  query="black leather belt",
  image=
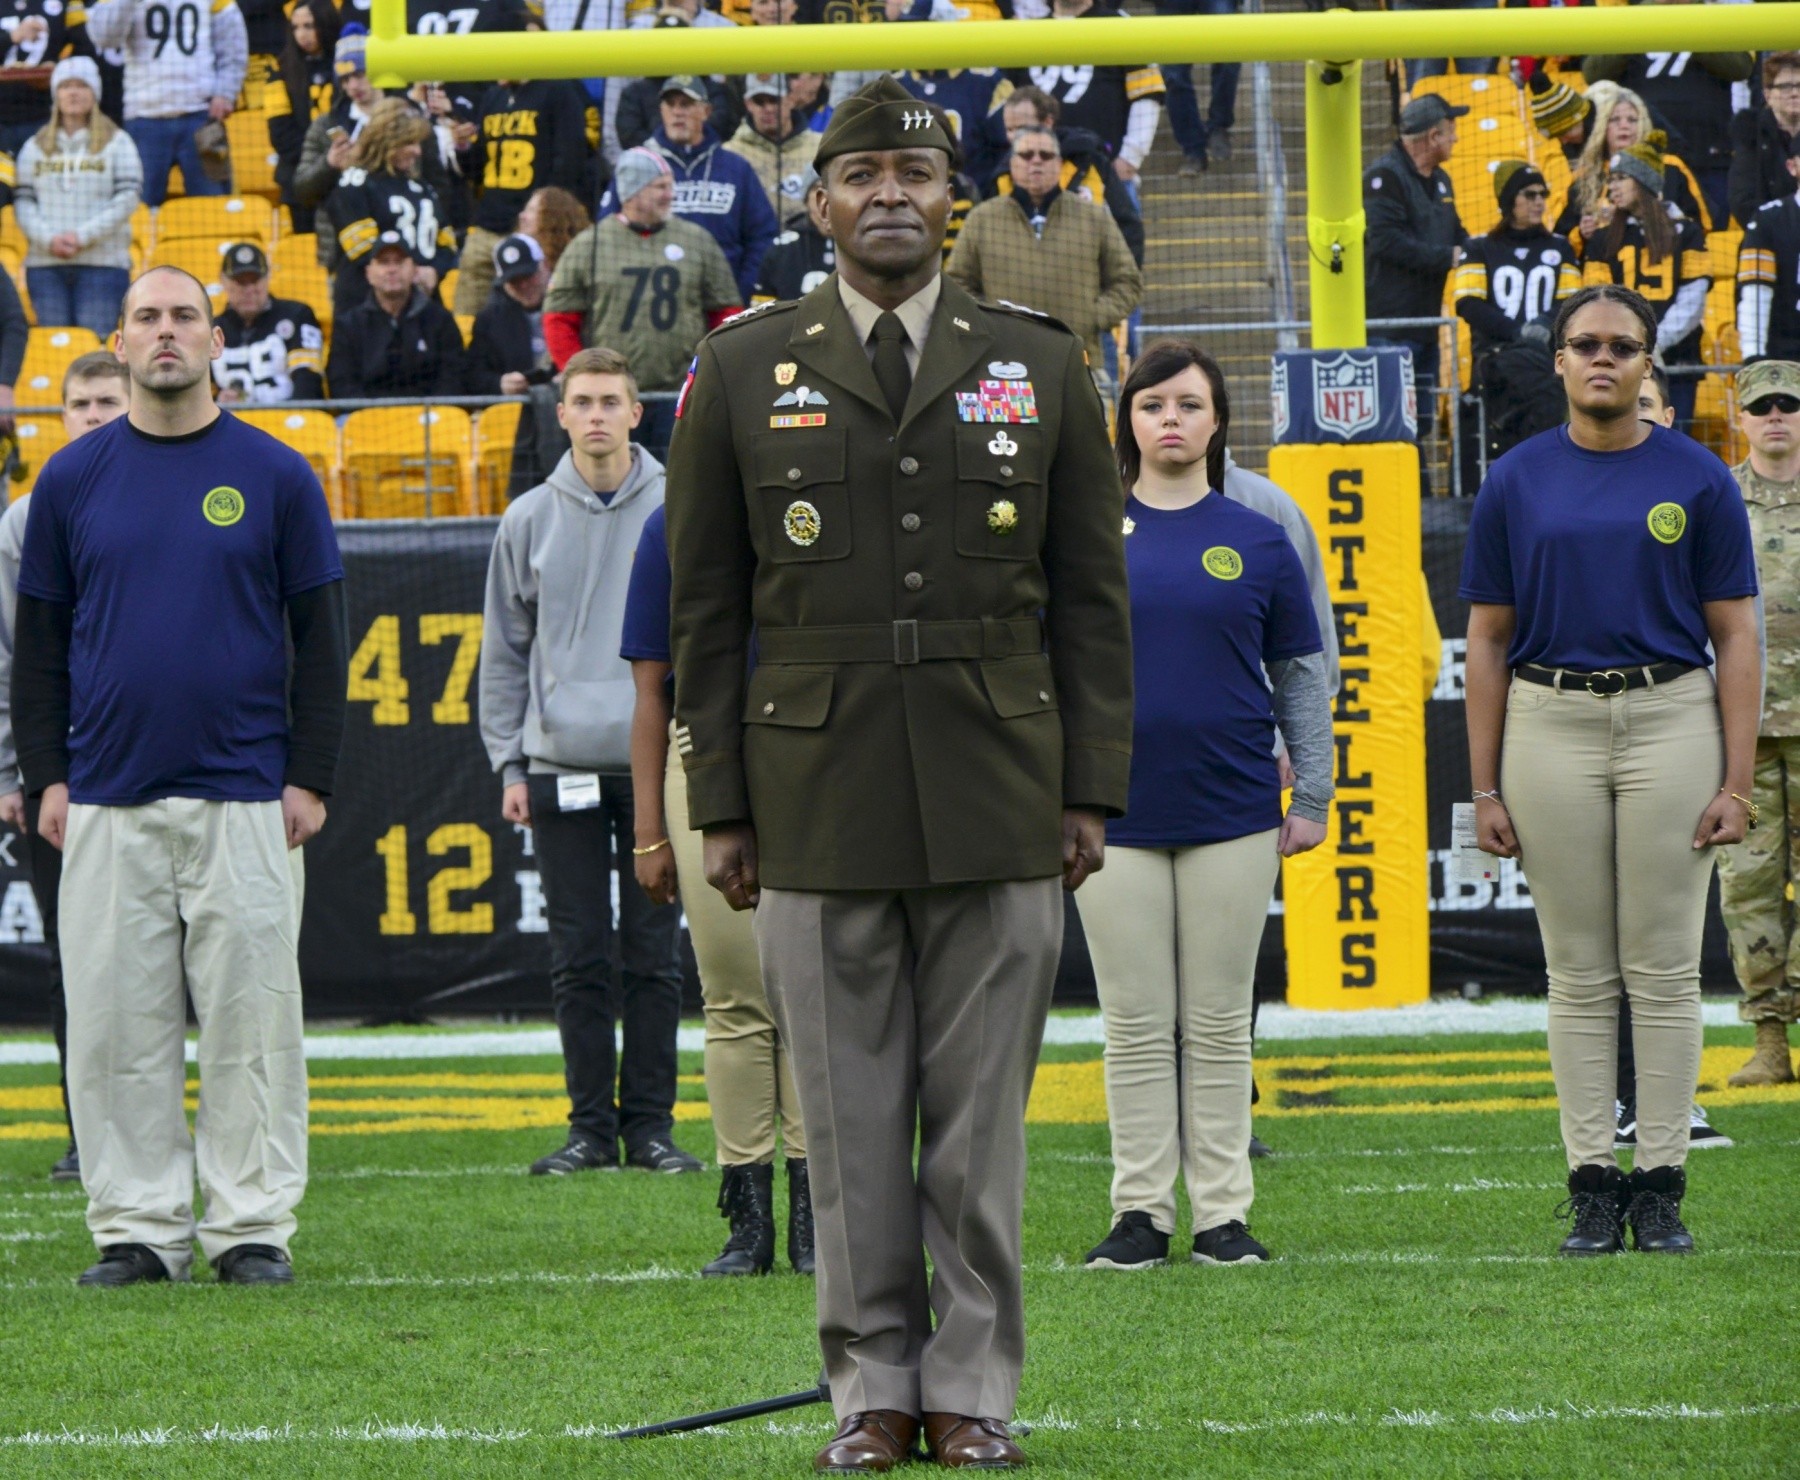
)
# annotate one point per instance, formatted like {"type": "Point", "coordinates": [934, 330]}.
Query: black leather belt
{"type": "Point", "coordinates": [903, 642]}
{"type": "Point", "coordinates": [1605, 684]}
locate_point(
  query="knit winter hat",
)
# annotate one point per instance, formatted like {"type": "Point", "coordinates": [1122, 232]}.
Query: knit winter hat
{"type": "Point", "coordinates": [352, 50]}
{"type": "Point", "coordinates": [1510, 177]}
{"type": "Point", "coordinates": [1643, 161]}
{"type": "Point", "coordinates": [75, 69]}
{"type": "Point", "coordinates": [636, 169]}
{"type": "Point", "coordinates": [1556, 107]}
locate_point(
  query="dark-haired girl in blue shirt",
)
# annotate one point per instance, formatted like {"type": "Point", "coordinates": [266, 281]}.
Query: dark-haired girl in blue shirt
{"type": "Point", "coordinates": [1603, 556]}
{"type": "Point", "coordinates": [1220, 614]}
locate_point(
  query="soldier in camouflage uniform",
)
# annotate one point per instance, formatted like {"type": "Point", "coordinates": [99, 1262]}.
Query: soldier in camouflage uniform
{"type": "Point", "coordinates": [1756, 877]}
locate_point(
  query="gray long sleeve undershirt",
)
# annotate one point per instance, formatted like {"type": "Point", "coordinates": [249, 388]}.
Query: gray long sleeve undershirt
{"type": "Point", "coordinates": [1302, 703]}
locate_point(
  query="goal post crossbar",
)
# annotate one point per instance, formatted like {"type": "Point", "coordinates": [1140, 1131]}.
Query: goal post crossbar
{"type": "Point", "coordinates": [395, 58]}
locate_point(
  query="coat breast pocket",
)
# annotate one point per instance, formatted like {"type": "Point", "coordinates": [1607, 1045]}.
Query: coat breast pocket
{"type": "Point", "coordinates": [1000, 492]}
{"type": "Point", "coordinates": [801, 501]}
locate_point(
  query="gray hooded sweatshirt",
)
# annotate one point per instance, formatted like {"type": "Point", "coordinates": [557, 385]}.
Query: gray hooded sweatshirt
{"type": "Point", "coordinates": [556, 697]}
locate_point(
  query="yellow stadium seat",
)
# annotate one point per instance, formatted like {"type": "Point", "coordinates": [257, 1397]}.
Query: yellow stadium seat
{"type": "Point", "coordinates": [253, 160]}
{"type": "Point", "coordinates": [143, 227]}
{"type": "Point", "coordinates": [293, 249]}
{"type": "Point", "coordinates": [216, 218]}
{"type": "Point", "coordinates": [1486, 96]}
{"type": "Point", "coordinates": [48, 353]}
{"type": "Point", "coordinates": [495, 431]}
{"type": "Point", "coordinates": [314, 435]}
{"type": "Point", "coordinates": [39, 436]}
{"type": "Point", "coordinates": [407, 462]}
{"type": "Point", "coordinates": [12, 235]}
{"type": "Point", "coordinates": [307, 282]}
{"type": "Point", "coordinates": [194, 255]}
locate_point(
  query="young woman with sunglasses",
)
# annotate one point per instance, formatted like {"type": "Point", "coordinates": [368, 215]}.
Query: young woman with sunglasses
{"type": "Point", "coordinates": [1602, 557]}
{"type": "Point", "coordinates": [1520, 271]}
{"type": "Point", "coordinates": [1225, 646]}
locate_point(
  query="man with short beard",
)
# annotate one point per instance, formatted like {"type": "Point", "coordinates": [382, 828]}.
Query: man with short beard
{"type": "Point", "coordinates": [181, 758]}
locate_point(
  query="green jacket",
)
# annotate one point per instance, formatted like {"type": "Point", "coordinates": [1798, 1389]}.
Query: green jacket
{"type": "Point", "coordinates": [908, 723]}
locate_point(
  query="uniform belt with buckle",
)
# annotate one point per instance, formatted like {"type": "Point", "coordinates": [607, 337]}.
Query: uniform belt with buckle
{"type": "Point", "coordinates": [1606, 683]}
{"type": "Point", "coordinates": [904, 642]}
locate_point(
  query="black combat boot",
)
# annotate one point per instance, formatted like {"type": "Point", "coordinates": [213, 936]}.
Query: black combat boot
{"type": "Point", "coordinates": [1596, 1204]}
{"type": "Point", "coordinates": [800, 1220]}
{"type": "Point", "coordinates": [747, 1198]}
{"type": "Point", "coordinates": [1654, 1210]}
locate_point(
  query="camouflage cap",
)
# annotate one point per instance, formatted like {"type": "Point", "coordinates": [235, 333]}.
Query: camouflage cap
{"type": "Point", "coordinates": [1767, 378]}
{"type": "Point", "coordinates": [883, 115]}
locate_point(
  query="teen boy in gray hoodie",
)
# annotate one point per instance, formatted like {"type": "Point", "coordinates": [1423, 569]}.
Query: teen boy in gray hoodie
{"type": "Point", "coordinates": [556, 703]}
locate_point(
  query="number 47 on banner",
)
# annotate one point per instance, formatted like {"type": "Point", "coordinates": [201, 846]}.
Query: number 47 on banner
{"type": "Point", "coordinates": [376, 676]}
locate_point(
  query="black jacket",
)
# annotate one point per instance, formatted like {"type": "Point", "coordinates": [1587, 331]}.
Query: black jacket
{"type": "Point", "coordinates": [1759, 151]}
{"type": "Point", "coordinates": [1411, 245]}
{"type": "Point", "coordinates": [504, 338]}
{"type": "Point", "coordinates": [418, 354]}
{"type": "Point", "coordinates": [640, 111]}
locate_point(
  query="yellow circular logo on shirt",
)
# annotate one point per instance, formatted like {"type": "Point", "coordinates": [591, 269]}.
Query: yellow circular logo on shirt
{"type": "Point", "coordinates": [1224, 562]}
{"type": "Point", "coordinates": [223, 506]}
{"type": "Point", "coordinates": [1668, 522]}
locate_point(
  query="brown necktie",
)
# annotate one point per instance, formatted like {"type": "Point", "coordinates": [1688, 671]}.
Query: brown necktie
{"type": "Point", "coordinates": [891, 372]}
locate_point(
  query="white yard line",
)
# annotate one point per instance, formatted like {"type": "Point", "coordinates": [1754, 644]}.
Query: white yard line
{"type": "Point", "coordinates": [379, 1431]}
{"type": "Point", "coordinates": [1274, 1023]}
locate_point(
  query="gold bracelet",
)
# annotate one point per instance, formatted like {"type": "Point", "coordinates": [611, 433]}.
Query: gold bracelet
{"type": "Point", "coordinates": [1752, 812]}
{"type": "Point", "coordinates": [642, 852]}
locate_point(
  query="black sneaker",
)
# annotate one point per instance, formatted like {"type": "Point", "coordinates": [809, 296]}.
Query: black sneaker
{"type": "Point", "coordinates": [1654, 1212]}
{"type": "Point", "coordinates": [661, 1155]}
{"type": "Point", "coordinates": [1624, 1125]}
{"type": "Point", "coordinates": [582, 1154]}
{"type": "Point", "coordinates": [1259, 1148]}
{"type": "Point", "coordinates": [1229, 1243]}
{"type": "Point", "coordinates": [67, 1167]}
{"type": "Point", "coordinates": [1134, 1243]}
{"type": "Point", "coordinates": [254, 1264]}
{"type": "Point", "coordinates": [125, 1264]}
{"type": "Point", "coordinates": [1702, 1134]}
{"type": "Point", "coordinates": [1218, 146]}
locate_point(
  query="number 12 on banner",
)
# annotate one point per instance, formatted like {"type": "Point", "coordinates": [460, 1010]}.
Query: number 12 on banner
{"type": "Point", "coordinates": [376, 676]}
{"type": "Point", "coordinates": [442, 917]}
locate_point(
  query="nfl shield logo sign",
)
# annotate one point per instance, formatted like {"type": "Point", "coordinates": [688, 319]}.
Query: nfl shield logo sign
{"type": "Point", "coordinates": [1278, 398]}
{"type": "Point", "coordinates": [1345, 395]}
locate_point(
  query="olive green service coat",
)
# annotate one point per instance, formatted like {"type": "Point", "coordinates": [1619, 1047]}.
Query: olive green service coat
{"type": "Point", "coordinates": [908, 723]}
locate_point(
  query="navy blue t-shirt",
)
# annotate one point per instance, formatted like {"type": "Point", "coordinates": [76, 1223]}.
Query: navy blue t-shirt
{"type": "Point", "coordinates": [178, 554]}
{"type": "Point", "coordinates": [1607, 556]}
{"type": "Point", "coordinates": [645, 635]}
{"type": "Point", "coordinates": [1216, 592]}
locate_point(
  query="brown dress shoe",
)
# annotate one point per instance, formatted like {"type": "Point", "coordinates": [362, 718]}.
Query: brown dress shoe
{"type": "Point", "coordinates": [868, 1443]}
{"type": "Point", "coordinates": [963, 1443]}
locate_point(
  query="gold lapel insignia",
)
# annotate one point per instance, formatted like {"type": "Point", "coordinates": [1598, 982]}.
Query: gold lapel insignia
{"type": "Point", "coordinates": [1003, 516]}
{"type": "Point", "coordinates": [962, 324]}
{"type": "Point", "coordinates": [785, 372]}
{"type": "Point", "coordinates": [801, 521]}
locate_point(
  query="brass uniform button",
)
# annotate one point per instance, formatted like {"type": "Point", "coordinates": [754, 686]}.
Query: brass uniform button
{"type": "Point", "coordinates": [793, 475]}
{"type": "Point", "coordinates": [909, 522]}
{"type": "Point", "coordinates": [914, 580]}
{"type": "Point", "coordinates": [909, 465]}
{"type": "Point", "coordinates": [1043, 697]}
{"type": "Point", "coordinates": [1005, 470]}
{"type": "Point", "coordinates": [769, 708]}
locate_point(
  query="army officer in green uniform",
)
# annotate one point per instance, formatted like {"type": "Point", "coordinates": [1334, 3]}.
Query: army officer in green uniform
{"type": "Point", "coordinates": [910, 493]}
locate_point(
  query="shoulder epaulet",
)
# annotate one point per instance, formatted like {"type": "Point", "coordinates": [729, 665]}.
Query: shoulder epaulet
{"type": "Point", "coordinates": [756, 311]}
{"type": "Point", "coordinates": [1006, 305]}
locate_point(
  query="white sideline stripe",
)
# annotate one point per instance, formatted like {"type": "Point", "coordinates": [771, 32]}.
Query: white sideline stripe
{"type": "Point", "coordinates": [375, 1431]}
{"type": "Point", "coordinates": [1273, 1023]}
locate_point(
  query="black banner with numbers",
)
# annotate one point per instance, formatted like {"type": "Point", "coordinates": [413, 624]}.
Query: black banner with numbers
{"type": "Point", "coordinates": [421, 900]}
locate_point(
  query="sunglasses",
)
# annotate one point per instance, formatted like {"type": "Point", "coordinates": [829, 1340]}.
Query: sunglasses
{"type": "Point", "coordinates": [1534, 192]}
{"type": "Point", "coordinates": [1042, 155]}
{"type": "Point", "coordinates": [1587, 346]}
{"type": "Point", "coordinates": [1767, 405]}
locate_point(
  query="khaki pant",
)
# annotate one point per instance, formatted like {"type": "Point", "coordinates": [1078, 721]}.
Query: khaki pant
{"type": "Point", "coordinates": [171, 900]}
{"type": "Point", "coordinates": [916, 1015]}
{"type": "Point", "coordinates": [749, 1082]}
{"type": "Point", "coordinates": [475, 271]}
{"type": "Point", "coordinates": [1756, 889]}
{"type": "Point", "coordinates": [1605, 795]}
{"type": "Point", "coordinates": [1173, 934]}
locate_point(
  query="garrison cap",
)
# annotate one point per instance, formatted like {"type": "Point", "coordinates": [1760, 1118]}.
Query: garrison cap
{"type": "Point", "coordinates": [1767, 378]}
{"type": "Point", "coordinates": [883, 115]}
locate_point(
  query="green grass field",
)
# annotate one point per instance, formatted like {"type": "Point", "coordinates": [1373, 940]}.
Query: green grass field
{"type": "Point", "coordinates": [454, 1317]}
